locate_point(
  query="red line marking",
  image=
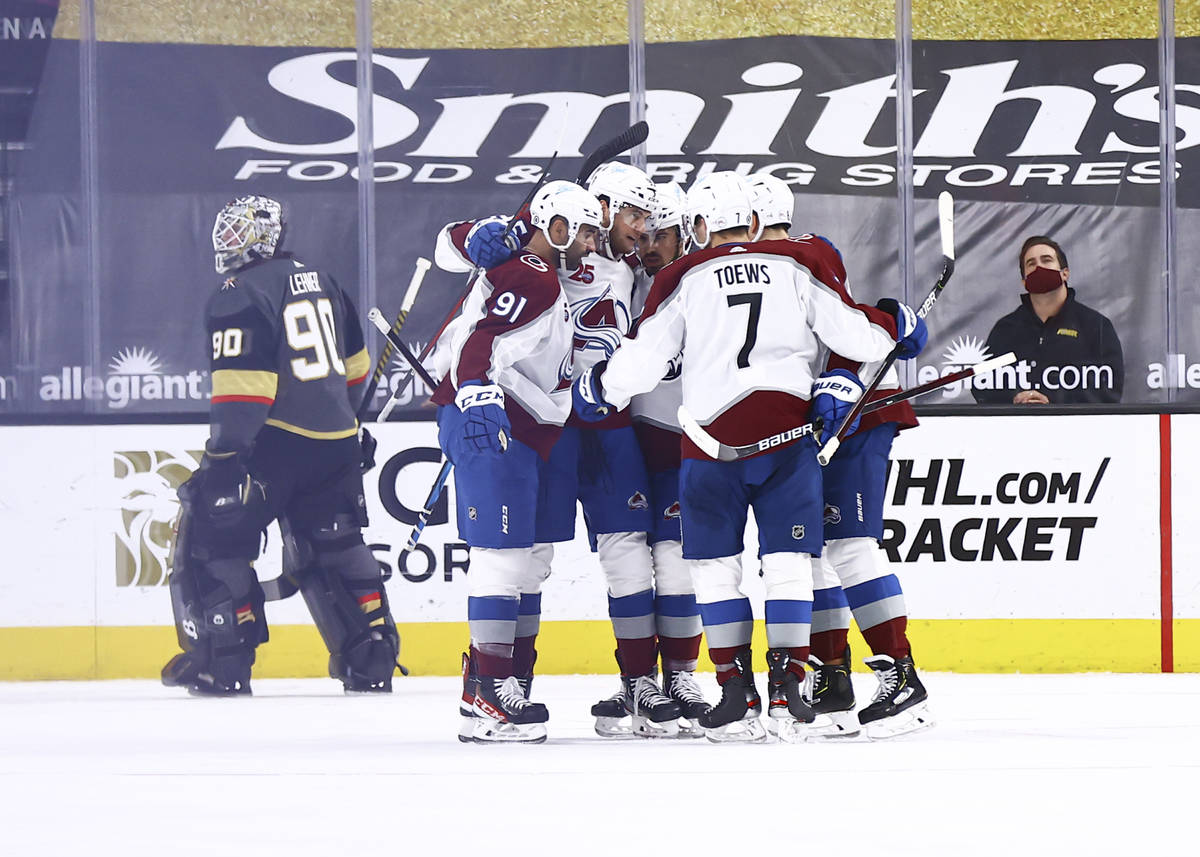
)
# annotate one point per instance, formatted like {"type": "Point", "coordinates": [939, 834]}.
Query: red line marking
{"type": "Point", "coordinates": [1166, 605]}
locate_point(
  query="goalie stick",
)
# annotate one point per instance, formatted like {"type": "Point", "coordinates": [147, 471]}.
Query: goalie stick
{"type": "Point", "coordinates": [713, 448]}
{"type": "Point", "coordinates": [946, 228]}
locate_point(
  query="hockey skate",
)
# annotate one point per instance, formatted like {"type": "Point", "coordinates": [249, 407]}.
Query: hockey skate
{"type": "Point", "coordinates": [681, 686]}
{"type": "Point", "coordinates": [184, 671]}
{"type": "Point", "coordinates": [466, 705]}
{"type": "Point", "coordinates": [830, 693]}
{"type": "Point", "coordinates": [651, 713]}
{"type": "Point", "coordinates": [788, 715]}
{"type": "Point", "coordinates": [898, 707]}
{"type": "Point", "coordinates": [504, 716]}
{"type": "Point", "coordinates": [735, 718]}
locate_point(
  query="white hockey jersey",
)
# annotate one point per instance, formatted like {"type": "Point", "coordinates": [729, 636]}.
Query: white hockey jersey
{"type": "Point", "coordinates": [752, 320]}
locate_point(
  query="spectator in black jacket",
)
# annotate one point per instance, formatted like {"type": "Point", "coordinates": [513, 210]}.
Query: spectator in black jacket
{"type": "Point", "coordinates": [1067, 353]}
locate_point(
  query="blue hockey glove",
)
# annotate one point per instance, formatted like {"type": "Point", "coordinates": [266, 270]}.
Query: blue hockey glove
{"type": "Point", "coordinates": [484, 245]}
{"type": "Point", "coordinates": [833, 395]}
{"type": "Point", "coordinates": [587, 394]}
{"type": "Point", "coordinates": [486, 428]}
{"type": "Point", "coordinates": [911, 333]}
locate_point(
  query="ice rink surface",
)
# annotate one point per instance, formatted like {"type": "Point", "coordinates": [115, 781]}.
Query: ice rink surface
{"type": "Point", "coordinates": [1017, 765]}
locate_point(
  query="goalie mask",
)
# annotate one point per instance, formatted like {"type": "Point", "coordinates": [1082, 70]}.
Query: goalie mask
{"type": "Point", "coordinates": [723, 200]}
{"type": "Point", "coordinates": [622, 185]}
{"type": "Point", "coordinates": [773, 202]}
{"type": "Point", "coordinates": [246, 230]}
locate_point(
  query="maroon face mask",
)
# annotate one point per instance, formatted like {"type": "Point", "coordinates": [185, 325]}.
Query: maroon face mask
{"type": "Point", "coordinates": [1041, 280]}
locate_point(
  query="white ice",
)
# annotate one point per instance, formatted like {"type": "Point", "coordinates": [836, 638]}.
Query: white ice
{"type": "Point", "coordinates": [1017, 765]}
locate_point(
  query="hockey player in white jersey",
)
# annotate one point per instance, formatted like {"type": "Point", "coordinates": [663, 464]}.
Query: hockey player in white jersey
{"type": "Point", "coordinates": [852, 574]}
{"type": "Point", "coordinates": [676, 615]}
{"type": "Point", "coordinates": [598, 465]}
{"type": "Point", "coordinates": [502, 404]}
{"type": "Point", "coordinates": [754, 318]}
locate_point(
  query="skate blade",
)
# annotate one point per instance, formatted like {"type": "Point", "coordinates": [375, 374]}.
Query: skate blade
{"type": "Point", "coordinates": [907, 722]}
{"type": "Point", "coordinates": [643, 727]}
{"type": "Point", "coordinates": [614, 728]}
{"type": "Point", "coordinates": [788, 730]}
{"type": "Point", "coordinates": [490, 732]}
{"type": "Point", "coordinates": [835, 726]}
{"type": "Point", "coordinates": [739, 732]}
{"type": "Point", "coordinates": [689, 729]}
{"type": "Point", "coordinates": [466, 728]}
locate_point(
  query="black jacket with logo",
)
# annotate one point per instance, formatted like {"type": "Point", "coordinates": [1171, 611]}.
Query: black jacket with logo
{"type": "Point", "coordinates": [1074, 357]}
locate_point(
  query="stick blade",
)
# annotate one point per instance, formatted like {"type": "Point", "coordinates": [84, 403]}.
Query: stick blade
{"type": "Point", "coordinates": [946, 223]}
{"type": "Point", "coordinates": [708, 444]}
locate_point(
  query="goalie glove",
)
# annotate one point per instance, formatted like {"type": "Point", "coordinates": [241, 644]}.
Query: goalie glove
{"type": "Point", "coordinates": [225, 492]}
{"type": "Point", "coordinates": [486, 428]}
{"type": "Point", "coordinates": [833, 395]}
{"type": "Point", "coordinates": [911, 333]}
{"type": "Point", "coordinates": [488, 246]}
{"type": "Point", "coordinates": [587, 394]}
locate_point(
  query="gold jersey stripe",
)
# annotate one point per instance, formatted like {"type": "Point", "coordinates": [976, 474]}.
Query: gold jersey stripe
{"type": "Point", "coordinates": [357, 366]}
{"type": "Point", "coordinates": [315, 435]}
{"type": "Point", "coordinates": [244, 382]}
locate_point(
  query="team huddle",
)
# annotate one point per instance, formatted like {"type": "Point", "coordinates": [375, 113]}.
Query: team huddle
{"type": "Point", "coordinates": [595, 317]}
{"type": "Point", "coordinates": [563, 377]}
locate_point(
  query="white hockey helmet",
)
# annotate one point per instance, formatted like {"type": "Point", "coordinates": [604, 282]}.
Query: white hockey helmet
{"type": "Point", "coordinates": [246, 229]}
{"type": "Point", "coordinates": [622, 185]}
{"type": "Point", "coordinates": [773, 201]}
{"type": "Point", "coordinates": [671, 210]}
{"type": "Point", "coordinates": [723, 200]}
{"type": "Point", "coordinates": [570, 202]}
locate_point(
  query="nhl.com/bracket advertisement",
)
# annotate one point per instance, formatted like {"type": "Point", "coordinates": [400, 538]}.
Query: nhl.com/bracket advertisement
{"type": "Point", "coordinates": [1004, 517]}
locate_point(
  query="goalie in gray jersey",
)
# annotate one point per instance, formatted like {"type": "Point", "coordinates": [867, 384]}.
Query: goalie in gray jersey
{"type": "Point", "coordinates": [287, 360]}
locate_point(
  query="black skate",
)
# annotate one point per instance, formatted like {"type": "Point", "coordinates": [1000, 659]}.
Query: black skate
{"type": "Point", "coordinates": [184, 670]}
{"type": "Point", "coordinates": [787, 712]}
{"type": "Point", "coordinates": [830, 692]}
{"type": "Point", "coordinates": [652, 713]}
{"type": "Point", "coordinates": [681, 686]}
{"type": "Point", "coordinates": [504, 715]}
{"type": "Point", "coordinates": [899, 704]}
{"type": "Point", "coordinates": [736, 716]}
{"type": "Point", "coordinates": [466, 705]}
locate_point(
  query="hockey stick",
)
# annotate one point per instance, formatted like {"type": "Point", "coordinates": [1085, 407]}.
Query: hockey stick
{"type": "Point", "coordinates": [713, 448]}
{"type": "Point", "coordinates": [946, 228]}
{"type": "Point", "coordinates": [632, 136]}
{"type": "Point", "coordinates": [385, 356]}
{"type": "Point", "coordinates": [376, 318]}
{"type": "Point", "coordinates": [285, 585]}
{"type": "Point", "coordinates": [623, 142]}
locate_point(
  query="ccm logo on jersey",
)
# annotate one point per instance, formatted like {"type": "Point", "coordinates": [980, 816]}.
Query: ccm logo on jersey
{"type": "Point", "coordinates": [743, 273]}
{"type": "Point", "coordinates": [785, 436]}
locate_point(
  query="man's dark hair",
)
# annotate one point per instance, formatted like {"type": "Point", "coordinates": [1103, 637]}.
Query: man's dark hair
{"type": "Point", "coordinates": [1040, 239]}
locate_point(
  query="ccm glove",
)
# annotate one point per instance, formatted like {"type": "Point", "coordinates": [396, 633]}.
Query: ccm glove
{"type": "Point", "coordinates": [833, 395]}
{"type": "Point", "coordinates": [488, 246]}
{"type": "Point", "coordinates": [911, 333]}
{"type": "Point", "coordinates": [367, 445]}
{"type": "Point", "coordinates": [486, 428]}
{"type": "Point", "coordinates": [587, 394]}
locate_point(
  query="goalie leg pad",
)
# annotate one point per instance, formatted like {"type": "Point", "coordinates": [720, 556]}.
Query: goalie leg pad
{"type": "Point", "coordinates": [346, 597]}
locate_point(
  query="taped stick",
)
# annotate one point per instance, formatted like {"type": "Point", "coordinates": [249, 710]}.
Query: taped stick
{"type": "Point", "coordinates": [385, 356]}
{"type": "Point", "coordinates": [946, 228]}
{"type": "Point", "coordinates": [713, 448]}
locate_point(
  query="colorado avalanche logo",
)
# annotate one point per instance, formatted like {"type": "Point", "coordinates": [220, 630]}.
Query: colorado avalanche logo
{"type": "Point", "coordinates": [671, 511]}
{"type": "Point", "coordinates": [833, 515]}
{"type": "Point", "coordinates": [600, 322]}
{"type": "Point", "coordinates": [674, 368]}
{"type": "Point", "coordinates": [638, 501]}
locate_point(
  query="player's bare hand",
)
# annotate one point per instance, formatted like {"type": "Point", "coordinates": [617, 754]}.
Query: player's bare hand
{"type": "Point", "coordinates": [1030, 397]}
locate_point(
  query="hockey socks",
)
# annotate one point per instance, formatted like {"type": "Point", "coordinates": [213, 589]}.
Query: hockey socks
{"type": "Point", "coordinates": [493, 624]}
{"type": "Point", "coordinates": [633, 625]}
{"type": "Point", "coordinates": [677, 620]}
